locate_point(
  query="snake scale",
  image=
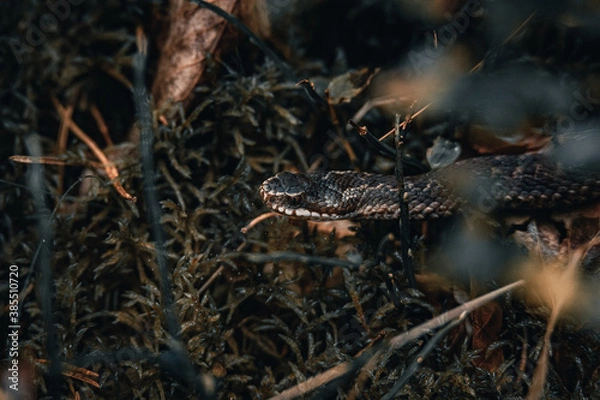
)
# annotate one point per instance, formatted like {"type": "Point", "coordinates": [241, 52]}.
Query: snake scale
{"type": "Point", "coordinates": [488, 183]}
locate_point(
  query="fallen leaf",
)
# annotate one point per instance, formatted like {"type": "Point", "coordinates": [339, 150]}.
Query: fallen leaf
{"type": "Point", "coordinates": [192, 33]}
{"type": "Point", "coordinates": [487, 324]}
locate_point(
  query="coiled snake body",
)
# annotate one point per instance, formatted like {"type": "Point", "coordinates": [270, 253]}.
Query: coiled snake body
{"type": "Point", "coordinates": [508, 182]}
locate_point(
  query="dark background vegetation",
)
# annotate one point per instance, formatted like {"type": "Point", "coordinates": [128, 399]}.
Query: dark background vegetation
{"type": "Point", "coordinates": [259, 328]}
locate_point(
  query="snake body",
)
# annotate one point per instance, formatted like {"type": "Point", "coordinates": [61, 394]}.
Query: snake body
{"type": "Point", "coordinates": [489, 183]}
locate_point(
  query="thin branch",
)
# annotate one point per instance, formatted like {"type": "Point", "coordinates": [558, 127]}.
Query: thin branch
{"type": "Point", "coordinates": [257, 220]}
{"type": "Point", "coordinates": [44, 262]}
{"type": "Point", "coordinates": [381, 147]}
{"type": "Point", "coordinates": [403, 220]}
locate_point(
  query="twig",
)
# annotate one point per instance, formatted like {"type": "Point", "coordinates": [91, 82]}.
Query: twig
{"type": "Point", "coordinates": [258, 219]}
{"type": "Point", "coordinates": [45, 160]}
{"type": "Point", "coordinates": [210, 280]}
{"type": "Point", "coordinates": [381, 147]}
{"type": "Point", "coordinates": [407, 121]}
{"type": "Point", "coordinates": [480, 64]}
{"type": "Point", "coordinates": [403, 221]}
{"type": "Point", "coordinates": [309, 88]}
{"type": "Point", "coordinates": [380, 260]}
{"type": "Point", "coordinates": [109, 167]}
{"type": "Point", "coordinates": [371, 103]}
{"type": "Point", "coordinates": [63, 133]}
{"type": "Point", "coordinates": [44, 262]}
{"type": "Point", "coordinates": [102, 127]}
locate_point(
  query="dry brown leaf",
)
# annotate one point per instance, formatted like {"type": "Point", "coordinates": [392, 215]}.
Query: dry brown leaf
{"type": "Point", "coordinates": [527, 137]}
{"type": "Point", "coordinates": [542, 238]}
{"type": "Point", "coordinates": [487, 324]}
{"type": "Point", "coordinates": [193, 33]}
{"type": "Point", "coordinates": [559, 235]}
{"type": "Point", "coordinates": [343, 88]}
{"type": "Point", "coordinates": [256, 14]}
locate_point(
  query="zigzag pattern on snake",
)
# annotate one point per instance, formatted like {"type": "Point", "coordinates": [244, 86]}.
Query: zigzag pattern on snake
{"type": "Point", "coordinates": [489, 183]}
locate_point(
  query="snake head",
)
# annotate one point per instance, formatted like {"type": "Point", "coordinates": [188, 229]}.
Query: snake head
{"type": "Point", "coordinates": [318, 196]}
{"type": "Point", "coordinates": [286, 193]}
{"type": "Point", "coordinates": [295, 195]}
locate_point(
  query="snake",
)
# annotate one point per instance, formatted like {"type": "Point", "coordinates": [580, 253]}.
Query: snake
{"type": "Point", "coordinates": [522, 182]}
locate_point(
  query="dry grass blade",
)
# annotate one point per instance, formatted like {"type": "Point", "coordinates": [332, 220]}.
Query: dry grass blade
{"type": "Point", "coordinates": [102, 127]}
{"type": "Point", "coordinates": [45, 160]}
{"type": "Point", "coordinates": [63, 134]}
{"type": "Point", "coordinates": [109, 167]}
{"type": "Point", "coordinates": [561, 291]}
{"type": "Point", "coordinates": [257, 220]}
{"type": "Point", "coordinates": [82, 374]}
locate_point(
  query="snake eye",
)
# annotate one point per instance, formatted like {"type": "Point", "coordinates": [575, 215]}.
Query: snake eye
{"type": "Point", "coordinates": [295, 201]}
